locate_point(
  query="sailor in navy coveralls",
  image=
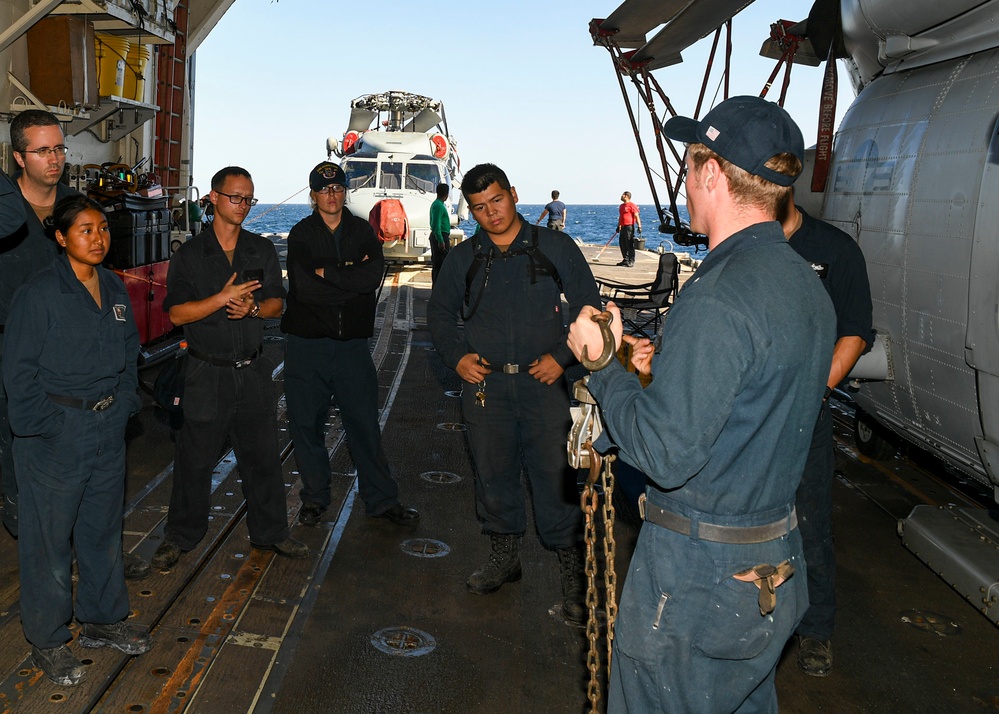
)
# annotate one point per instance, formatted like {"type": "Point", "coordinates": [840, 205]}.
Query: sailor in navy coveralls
{"type": "Point", "coordinates": [717, 582]}
{"type": "Point", "coordinates": [70, 372]}
{"type": "Point", "coordinates": [504, 284]}
{"type": "Point", "coordinates": [221, 285]}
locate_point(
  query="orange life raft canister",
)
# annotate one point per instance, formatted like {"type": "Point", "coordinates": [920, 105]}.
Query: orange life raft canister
{"type": "Point", "coordinates": [388, 218]}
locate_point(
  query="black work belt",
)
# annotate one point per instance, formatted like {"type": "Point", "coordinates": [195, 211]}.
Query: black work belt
{"type": "Point", "coordinates": [85, 404]}
{"type": "Point", "coordinates": [224, 361]}
{"type": "Point", "coordinates": [717, 534]}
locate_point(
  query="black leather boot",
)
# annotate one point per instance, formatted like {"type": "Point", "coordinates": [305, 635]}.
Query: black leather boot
{"type": "Point", "coordinates": [503, 566]}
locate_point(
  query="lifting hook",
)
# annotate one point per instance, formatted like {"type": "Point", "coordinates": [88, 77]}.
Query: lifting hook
{"type": "Point", "coordinates": [604, 319]}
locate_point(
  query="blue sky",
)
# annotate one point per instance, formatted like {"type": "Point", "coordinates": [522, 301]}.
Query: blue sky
{"type": "Point", "coordinates": [522, 84]}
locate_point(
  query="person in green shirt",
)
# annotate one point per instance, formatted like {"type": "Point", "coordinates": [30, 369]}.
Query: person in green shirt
{"type": "Point", "coordinates": [440, 230]}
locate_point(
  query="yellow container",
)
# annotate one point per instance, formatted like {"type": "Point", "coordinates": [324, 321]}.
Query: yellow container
{"type": "Point", "coordinates": [112, 54]}
{"type": "Point", "coordinates": [135, 72]}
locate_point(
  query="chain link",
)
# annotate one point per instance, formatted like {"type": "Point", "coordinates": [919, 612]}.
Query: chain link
{"type": "Point", "coordinates": [590, 502]}
{"type": "Point", "coordinates": [610, 575]}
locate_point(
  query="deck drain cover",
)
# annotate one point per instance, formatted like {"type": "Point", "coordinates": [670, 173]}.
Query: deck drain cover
{"type": "Point", "coordinates": [425, 547]}
{"type": "Point", "coordinates": [931, 622]}
{"type": "Point", "coordinates": [451, 426]}
{"type": "Point", "coordinates": [403, 641]}
{"type": "Point", "coordinates": [440, 477]}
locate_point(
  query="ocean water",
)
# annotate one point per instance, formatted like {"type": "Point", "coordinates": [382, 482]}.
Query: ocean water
{"type": "Point", "coordinates": [587, 223]}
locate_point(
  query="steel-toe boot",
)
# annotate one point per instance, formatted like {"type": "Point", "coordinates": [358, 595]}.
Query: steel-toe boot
{"type": "Point", "coordinates": [503, 565]}
{"type": "Point", "coordinates": [59, 664]}
{"type": "Point", "coordinates": [130, 639]}
{"type": "Point", "coordinates": [570, 570]}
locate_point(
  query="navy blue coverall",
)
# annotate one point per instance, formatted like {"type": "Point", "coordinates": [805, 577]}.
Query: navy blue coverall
{"type": "Point", "coordinates": [24, 250]}
{"type": "Point", "coordinates": [221, 401]}
{"type": "Point", "coordinates": [70, 461]}
{"type": "Point", "coordinates": [518, 319]}
{"type": "Point", "coordinates": [329, 320]}
{"type": "Point", "coordinates": [722, 433]}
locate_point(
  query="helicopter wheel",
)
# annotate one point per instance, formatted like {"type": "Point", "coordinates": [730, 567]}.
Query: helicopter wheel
{"type": "Point", "coordinates": [871, 438]}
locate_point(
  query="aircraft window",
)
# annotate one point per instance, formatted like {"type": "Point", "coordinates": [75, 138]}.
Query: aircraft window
{"type": "Point", "coordinates": [391, 175]}
{"type": "Point", "coordinates": [360, 174]}
{"type": "Point", "coordinates": [423, 177]}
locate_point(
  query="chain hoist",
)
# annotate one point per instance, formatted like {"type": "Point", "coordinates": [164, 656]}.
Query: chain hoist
{"type": "Point", "coordinates": [586, 427]}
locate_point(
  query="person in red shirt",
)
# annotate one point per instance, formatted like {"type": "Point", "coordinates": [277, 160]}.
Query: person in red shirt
{"type": "Point", "coordinates": [626, 223]}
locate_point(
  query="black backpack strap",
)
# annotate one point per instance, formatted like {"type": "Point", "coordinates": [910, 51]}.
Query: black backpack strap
{"type": "Point", "coordinates": [477, 260]}
{"type": "Point", "coordinates": [536, 257]}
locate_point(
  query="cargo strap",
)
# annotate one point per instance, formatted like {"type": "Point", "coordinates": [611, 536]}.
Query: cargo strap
{"type": "Point", "coordinates": [717, 534]}
{"type": "Point", "coordinates": [767, 578]}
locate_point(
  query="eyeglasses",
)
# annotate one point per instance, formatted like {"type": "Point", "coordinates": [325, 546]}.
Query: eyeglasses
{"type": "Point", "coordinates": [45, 152]}
{"type": "Point", "coordinates": [332, 188]}
{"type": "Point", "coordinates": [248, 200]}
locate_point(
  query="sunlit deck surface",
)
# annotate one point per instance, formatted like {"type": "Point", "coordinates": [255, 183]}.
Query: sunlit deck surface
{"type": "Point", "coordinates": [379, 620]}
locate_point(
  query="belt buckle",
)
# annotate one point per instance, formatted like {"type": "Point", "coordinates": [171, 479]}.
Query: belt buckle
{"type": "Point", "coordinates": [511, 369]}
{"type": "Point", "coordinates": [241, 363]}
{"type": "Point", "coordinates": [642, 498]}
{"type": "Point", "coordinates": [103, 403]}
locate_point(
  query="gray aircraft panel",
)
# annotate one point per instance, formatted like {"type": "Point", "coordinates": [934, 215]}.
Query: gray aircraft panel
{"type": "Point", "coordinates": [910, 155]}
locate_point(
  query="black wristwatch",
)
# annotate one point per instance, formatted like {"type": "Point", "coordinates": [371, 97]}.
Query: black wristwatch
{"type": "Point", "coordinates": [255, 310]}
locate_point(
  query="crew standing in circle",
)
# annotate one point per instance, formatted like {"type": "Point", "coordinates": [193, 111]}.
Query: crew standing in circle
{"type": "Point", "coordinates": [70, 370]}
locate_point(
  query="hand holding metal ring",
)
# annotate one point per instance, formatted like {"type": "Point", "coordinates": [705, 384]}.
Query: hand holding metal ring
{"type": "Point", "coordinates": [604, 319]}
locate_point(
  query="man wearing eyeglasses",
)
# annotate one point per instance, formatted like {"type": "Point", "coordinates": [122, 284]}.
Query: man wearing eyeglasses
{"type": "Point", "coordinates": [40, 152]}
{"type": "Point", "coordinates": [221, 285]}
{"type": "Point", "coordinates": [335, 267]}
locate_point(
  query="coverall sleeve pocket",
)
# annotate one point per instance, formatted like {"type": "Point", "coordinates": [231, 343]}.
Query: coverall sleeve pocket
{"type": "Point", "coordinates": [732, 627]}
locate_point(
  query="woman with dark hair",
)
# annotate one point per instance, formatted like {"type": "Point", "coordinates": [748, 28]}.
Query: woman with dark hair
{"type": "Point", "coordinates": [69, 367]}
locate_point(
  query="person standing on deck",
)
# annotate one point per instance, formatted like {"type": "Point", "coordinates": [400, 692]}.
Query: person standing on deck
{"type": "Point", "coordinates": [25, 248]}
{"type": "Point", "coordinates": [221, 285]}
{"type": "Point", "coordinates": [506, 285]}
{"type": "Point", "coordinates": [628, 218]}
{"type": "Point", "coordinates": [715, 587]}
{"type": "Point", "coordinates": [838, 261]}
{"type": "Point", "coordinates": [335, 267]}
{"type": "Point", "coordinates": [70, 369]}
{"type": "Point", "coordinates": [40, 152]}
{"type": "Point", "coordinates": [440, 230]}
{"type": "Point", "coordinates": [556, 212]}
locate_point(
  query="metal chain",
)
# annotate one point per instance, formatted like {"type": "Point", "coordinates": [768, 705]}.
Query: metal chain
{"type": "Point", "coordinates": [610, 576]}
{"type": "Point", "coordinates": [589, 503]}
